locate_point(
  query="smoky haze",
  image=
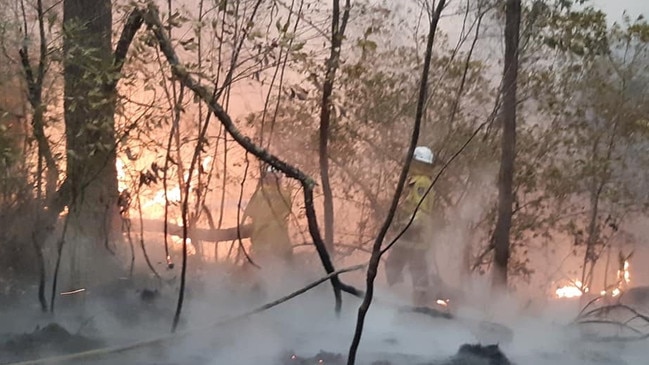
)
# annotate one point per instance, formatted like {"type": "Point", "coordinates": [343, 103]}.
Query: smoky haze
{"type": "Point", "coordinates": [121, 295]}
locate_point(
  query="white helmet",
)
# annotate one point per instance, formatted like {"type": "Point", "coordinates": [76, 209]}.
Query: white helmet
{"type": "Point", "coordinates": [423, 154]}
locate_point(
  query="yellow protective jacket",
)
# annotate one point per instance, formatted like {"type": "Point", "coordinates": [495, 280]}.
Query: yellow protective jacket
{"type": "Point", "coordinates": [270, 208]}
{"type": "Point", "coordinates": [414, 191]}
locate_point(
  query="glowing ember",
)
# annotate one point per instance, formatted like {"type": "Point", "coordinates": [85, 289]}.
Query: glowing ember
{"type": "Point", "coordinates": [614, 292]}
{"type": "Point", "coordinates": [443, 303]}
{"type": "Point", "coordinates": [73, 292]}
{"type": "Point", "coordinates": [571, 291]}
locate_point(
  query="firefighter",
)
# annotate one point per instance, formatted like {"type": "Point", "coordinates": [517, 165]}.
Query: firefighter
{"type": "Point", "coordinates": [414, 245]}
{"type": "Point", "coordinates": [270, 208]}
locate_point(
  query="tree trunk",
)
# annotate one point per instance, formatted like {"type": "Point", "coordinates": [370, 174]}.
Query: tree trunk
{"type": "Point", "coordinates": [45, 218]}
{"type": "Point", "coordinates": [90, 134]}
{"type": "Point", "coordinates": [590, 256]}
{"type": "Point", "coordinates": [506, 174]}
{"type": "Point", "coordinates": [337, 33]}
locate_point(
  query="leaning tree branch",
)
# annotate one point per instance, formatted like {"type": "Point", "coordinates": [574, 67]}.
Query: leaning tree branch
{"type": "Point", "coordinates": [582, 319]}
{"type": "Point", "coordinates": [133, 24]}
{"type": "Point", "coordinates": [152, 19]}
{"type": "Point", "coordinates": [611, 307]}
{"type": "Point", "coordinates": [375, 258]}
{"type": "Point", "coordinates": [613, 323]}
{"type": "Point", "coordinates": [194, 161]}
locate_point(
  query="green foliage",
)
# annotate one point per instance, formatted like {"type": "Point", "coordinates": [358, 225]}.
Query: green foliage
{"type": "Point", "coordinates": [373, 110]}
{"type": "Point", "coordinates": [589, 103]}
{"type": "Point", "coordinates": [582, 130]}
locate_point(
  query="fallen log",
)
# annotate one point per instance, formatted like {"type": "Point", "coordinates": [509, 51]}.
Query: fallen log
{"type": "Point", "coordinates": [195, 234]}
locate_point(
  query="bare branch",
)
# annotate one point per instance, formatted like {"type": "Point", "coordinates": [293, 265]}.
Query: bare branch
{"type": "Point", "coordinates": [376, 248]}
{"type": "Point", "coordinates": [133, 24]}
{"type": "Point", "coordinates": [152, 19]}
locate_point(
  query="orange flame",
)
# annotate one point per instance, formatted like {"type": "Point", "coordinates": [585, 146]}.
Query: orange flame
{"type": "Point", "coordinates": [624, 274]}
{"type": "Point", "coordinates": [571, 291]}
{"type": "Point", "coordinates": [623, 280]}
{"type": "Point", "coordinates": [577, 289]}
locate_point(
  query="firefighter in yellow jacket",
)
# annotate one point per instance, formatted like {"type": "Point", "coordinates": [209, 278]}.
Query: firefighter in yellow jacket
{"type": "Point", "coordinates": [415, 243]}
{"type": "Point", "coordinates": [270, 208]}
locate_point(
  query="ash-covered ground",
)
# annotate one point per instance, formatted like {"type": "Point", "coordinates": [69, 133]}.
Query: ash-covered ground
{"type": "Point", "coordinates": [302, 331]}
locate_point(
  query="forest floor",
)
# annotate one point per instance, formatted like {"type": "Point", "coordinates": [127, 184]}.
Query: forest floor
{"type": "Point", "coordinates": [302, 331]}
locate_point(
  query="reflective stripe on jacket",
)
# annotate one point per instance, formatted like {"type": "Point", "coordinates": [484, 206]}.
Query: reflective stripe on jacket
{"type": "Point", "coordinates": [414, 192]}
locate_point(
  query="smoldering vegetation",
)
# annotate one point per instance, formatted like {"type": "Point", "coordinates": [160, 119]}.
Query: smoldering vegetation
{"type": "Point", "coordinates": [130, 325]}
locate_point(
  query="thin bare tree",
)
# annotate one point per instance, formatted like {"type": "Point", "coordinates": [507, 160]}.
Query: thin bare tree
{"type": "Point", "coordinates": [375, 258]}
{"type": "Point", "coordinates": [338, 25]}
{"type": "Point", "coordinates": [508, 145]}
